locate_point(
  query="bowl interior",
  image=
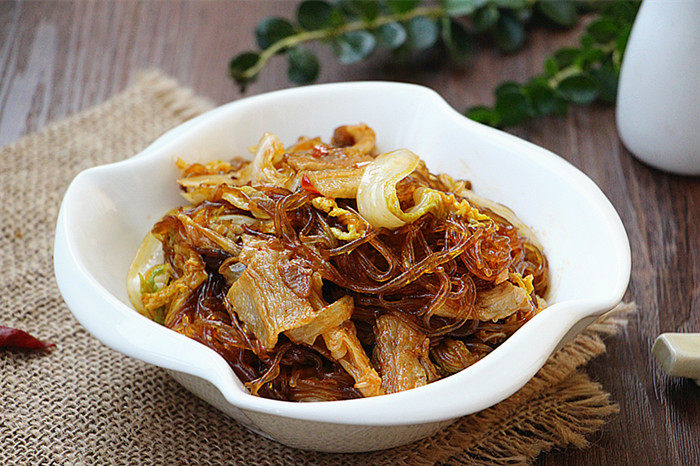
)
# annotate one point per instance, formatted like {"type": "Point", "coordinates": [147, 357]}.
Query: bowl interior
{"type": "Point", "coordinates": [116, 205]}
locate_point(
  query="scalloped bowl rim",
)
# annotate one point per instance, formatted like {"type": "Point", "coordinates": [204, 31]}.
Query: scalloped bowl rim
{"type": "Point", "coordinates": [120, 327]}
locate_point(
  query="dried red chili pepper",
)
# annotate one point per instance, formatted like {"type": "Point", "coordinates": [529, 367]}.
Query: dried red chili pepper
{"type": "Point", "coordinates": [14, 338]}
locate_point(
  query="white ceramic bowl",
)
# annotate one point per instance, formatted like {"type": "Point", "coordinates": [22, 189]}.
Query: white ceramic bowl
{"type": "Point", "coordinates": [107, 210]}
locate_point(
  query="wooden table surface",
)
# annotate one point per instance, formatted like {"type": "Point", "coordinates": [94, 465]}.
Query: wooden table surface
{"type": "Point", "coordinates": [57, 58]}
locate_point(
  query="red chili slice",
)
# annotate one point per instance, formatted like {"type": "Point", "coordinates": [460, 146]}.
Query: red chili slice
{"type": "Point", "coordinates": [320, 150]}
{"type": "Point", "coordinates": [307, 185]}
{"type": "Point", "coordinates": [14, 338]}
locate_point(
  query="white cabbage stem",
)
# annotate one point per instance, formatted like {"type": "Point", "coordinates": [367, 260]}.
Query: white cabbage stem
{"type": "Point", "coordinates": [377, 199]}
{"type": "Point", "coordinates": [150, 254]}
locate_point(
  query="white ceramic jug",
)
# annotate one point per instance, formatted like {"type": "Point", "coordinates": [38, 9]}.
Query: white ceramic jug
{"type": "Point", "coordinates": [658, 100]}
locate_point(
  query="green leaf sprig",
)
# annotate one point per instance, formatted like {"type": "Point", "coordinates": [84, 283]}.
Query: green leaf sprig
{"type": "Point", "coordinates": [354, 29]}
{"type": "Point", "coordinates": [574, 75]}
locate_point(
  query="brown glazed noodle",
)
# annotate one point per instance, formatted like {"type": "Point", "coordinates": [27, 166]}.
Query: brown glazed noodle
{"type": "Point", "coordinates": [327, 272]}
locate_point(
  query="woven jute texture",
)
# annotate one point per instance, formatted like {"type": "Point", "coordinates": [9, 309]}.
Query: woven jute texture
{"type": "Point", "coordinates": [83, 403]}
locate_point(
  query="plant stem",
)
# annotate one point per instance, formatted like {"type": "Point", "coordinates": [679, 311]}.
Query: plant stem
{"type": "Point", "coordinates": [575, 68]}
{"type": "Point", "coordinates": [305, 36]}
{"type": "Point", "coordinates": [563, 74]}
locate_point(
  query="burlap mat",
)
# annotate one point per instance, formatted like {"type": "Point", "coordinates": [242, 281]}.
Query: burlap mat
{"type": "Point", "coordinates": [84, 403]}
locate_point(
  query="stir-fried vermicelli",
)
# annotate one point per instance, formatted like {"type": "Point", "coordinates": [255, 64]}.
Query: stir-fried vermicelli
{"type": "Point", "coordinates": [326, 272]}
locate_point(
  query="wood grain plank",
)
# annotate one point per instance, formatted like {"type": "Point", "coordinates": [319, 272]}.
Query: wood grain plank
{"type": "Point", "coordinates": [9, 22]}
